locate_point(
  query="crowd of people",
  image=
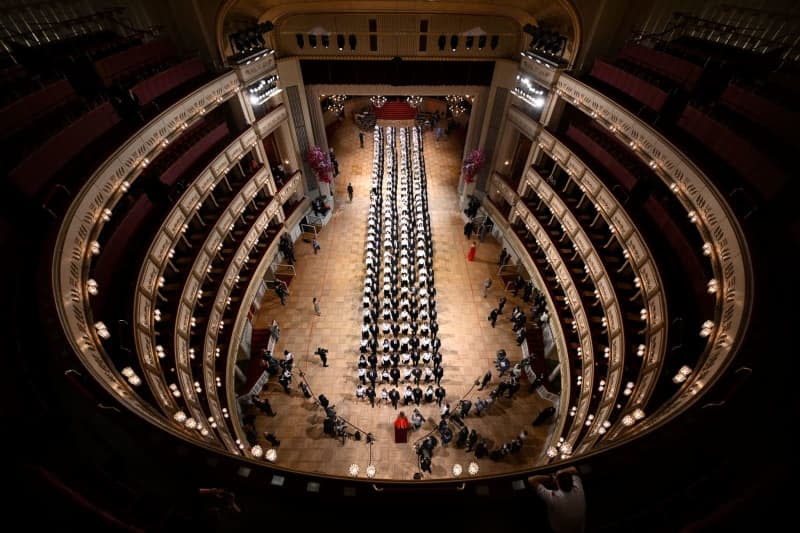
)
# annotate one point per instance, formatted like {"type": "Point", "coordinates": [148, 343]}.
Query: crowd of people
{"type": "Point", "coordinates": [400, 327]}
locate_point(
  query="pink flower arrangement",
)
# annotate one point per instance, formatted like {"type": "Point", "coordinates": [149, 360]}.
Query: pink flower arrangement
{"type": "Point", "coordinates": [473, 163]}
{"type": "Point", "coordinates": [320, 163]}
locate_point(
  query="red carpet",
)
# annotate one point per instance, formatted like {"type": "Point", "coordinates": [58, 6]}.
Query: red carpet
{"type": "Point", "coordinates": [395, 111]}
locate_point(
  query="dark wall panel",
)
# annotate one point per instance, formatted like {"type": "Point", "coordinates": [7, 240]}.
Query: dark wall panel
{"type": "Point", "coordinates": [397, 72]}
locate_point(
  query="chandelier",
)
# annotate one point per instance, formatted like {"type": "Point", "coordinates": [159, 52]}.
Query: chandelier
{"type": "Point", "coordinates": [454, 99]}
{"type": "Point", "coordinates": [336, 102]}
{"type": "Point", "coordinates": [378, 100]}
{"type": "Point", "coordinates": [414, 101]}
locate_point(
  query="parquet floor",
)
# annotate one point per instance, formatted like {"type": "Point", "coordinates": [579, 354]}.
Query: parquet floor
{"type": "Point", "coordinates": [336, 277]}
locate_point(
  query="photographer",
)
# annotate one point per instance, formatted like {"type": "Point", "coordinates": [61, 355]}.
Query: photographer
{"type": "Point", "coordinates": [566, 502]}
{"type": "Point", "coordinates": [323, 355]}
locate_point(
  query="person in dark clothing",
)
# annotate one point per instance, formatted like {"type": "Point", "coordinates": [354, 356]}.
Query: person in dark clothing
{"type": "Point", "coordinates": [323, 401]}
{"type": "Point", "coordinates": [272, 439]}
{"type": "Point", "coordinates": [487, 377]}
{"type": "Point", "coordinates": [481, 450]}
{"type": "Point", "coordinates": [370, 393]}
{"type": "Point", "coordinates": [350, 191]}
{"type": "Point", "coordinates": [500, 304]}
{"type": "Point", "coordinates": [493, 316]}
{"type": "Point", "coordinates": [503, 257]}
{"type": "Point", "coordinates": [472, 439]}
{"type": "Point", "coordinates": [394, 396]}
{"type": "Point", "coordinates": [468, 229]}
{"type": "Point", "coordinates": [465, 406]}
{"type": "Point", "coordinates": [361, 138]}
{"type": "Point", "coordinates": [323, 355]}
{"type": "Point", "coordinates": [263, 405]}
{"type": "Point", "coordinates": [463, 435]}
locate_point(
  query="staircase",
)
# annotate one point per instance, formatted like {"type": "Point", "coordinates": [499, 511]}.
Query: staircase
{"type": "Point", "coordinates": [396, 111]}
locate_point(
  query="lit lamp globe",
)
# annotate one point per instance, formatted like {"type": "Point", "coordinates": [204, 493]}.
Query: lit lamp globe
{"type": "Point", "coordinates": [473, 468]}
{"type": "Point", "coordinates": [457, 470]}
{"type": "Point", "coordinates": [257, 451]}
{"type": "Point", "coordinates": [371, 471]}
{"type": "Point", "coordinates": [271, 455]}
{"type": "Point", "coordinates": [353, 470]}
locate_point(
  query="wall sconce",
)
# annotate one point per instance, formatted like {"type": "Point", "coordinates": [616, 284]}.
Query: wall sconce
{"type": "Point", "coordinates": [190, 423]}
{"type": "Point", "coordinates": [179, 417]}
{"type": "Point", "coordinates": [470, 42]}
{"type": "Point", "coordinates": [457, 470]}
{"type": "Point", "coordinates": [481, 42]}
{"type": "Point", "coordinates": [105, 216]}
{"type": "Point", "coordinates": [638, 414]}
{"type": "Point", "coordinates": [340, 41]}
{"type": "Point", "coordinates": [473, 468]}
{"type": "Point", "coordinates": [102, 330]}
{"type": "Point", "coordinates": [326, 42]}
{"type": "Point", "coordinates": [713, 286]}
{"type": "Point", "coordinates": [257, 451]}
{"type": "Point", "coordinates": [453, 43]}
{"type": "Point", "coordinates": [552, 451]}
{"type": "Point", "coordinates": [271, 455]}
{"type": "Point", "coordinates": [91, 287]}
{"type": "Point", "coordinates": [353, 470]}
{"type": "Point", "coordinates": [706, 328]}
{"type": "Point", "coordinates": [312, 40]}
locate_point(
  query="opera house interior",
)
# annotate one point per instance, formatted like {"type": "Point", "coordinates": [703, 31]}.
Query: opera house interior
{"type": "Point", "coordinates": [305, 263]}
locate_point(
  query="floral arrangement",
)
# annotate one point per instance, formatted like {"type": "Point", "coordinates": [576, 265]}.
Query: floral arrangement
{"type": "Point", "coordinates": [320, 163]}
{"type": "Point", "coordinates": [473, 164]}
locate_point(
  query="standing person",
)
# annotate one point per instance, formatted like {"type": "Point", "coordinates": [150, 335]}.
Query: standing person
{"type": "Point", "coordinates": [350, 190]}
{"type": "Point", "coordinates": [503, 257]}
{"type": "Point", "coordinates": [468, 229]}
{"type": "Point", "coordinates": [323, 355]}
{"type": "Point", "coordinates": [493, 316]}
{"type": "Point", "coordinates": [481, 232]}
{"type": "Point", "coordinates": [487, 283]}
{"type": "Point", "coordinates": [487, 377]}
{"type": "Point", "coordinates": [361, 138]}
{"type": "Point", "coordinates": [500, 304]}
{"type": "Point", "coordinates": [281, 291]}
{"type": "Point", "coordinates": [472, 249]}
{"type": "Point", "coordinates": [566, 502]}
{"type": "Point", "coordinates": [317, 309]}
{"type": "Point", "coordinates": [315, 245]}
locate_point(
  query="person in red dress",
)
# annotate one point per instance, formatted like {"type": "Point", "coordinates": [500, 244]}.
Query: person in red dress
{"type": "Point", "coordinates": [471, 253]}
{"type": "Point", "coordinates": [401, 425]}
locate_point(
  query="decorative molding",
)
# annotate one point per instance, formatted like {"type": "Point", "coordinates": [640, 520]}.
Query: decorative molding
{"type": "Point", "coordinates": [543, 75]}
{"type": "Point", "coordinates": [270, 122]}
{"type": "Point", "coordinates": [82, 225]}
{"type": "Point", "coordinates": [523, 122]}
{"type": "Point", "coordinates": [505, 189]}
{"type": "Point", "coordinates": [717, 224]}
{"type": "Point", "coordinates": [255, 70]}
